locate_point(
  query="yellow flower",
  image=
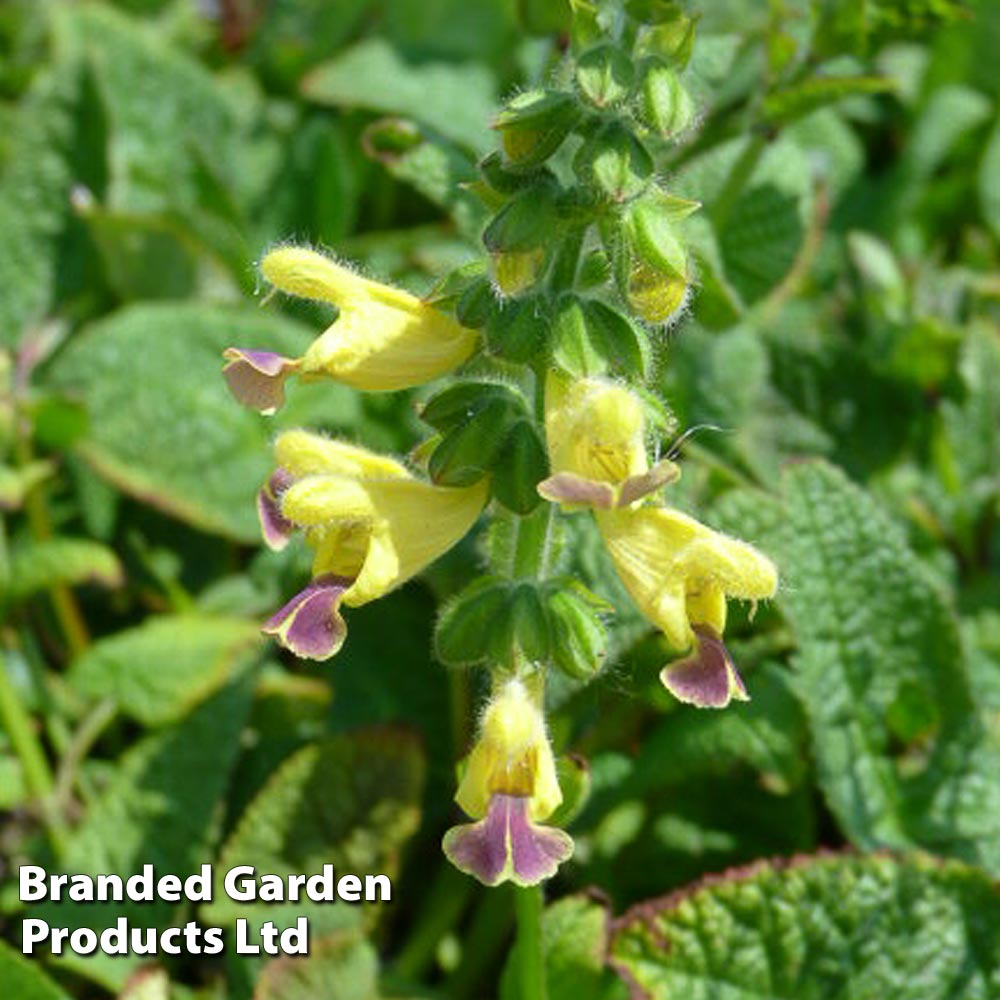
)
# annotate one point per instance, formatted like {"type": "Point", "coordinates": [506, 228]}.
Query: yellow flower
{"type": "Point", "coordinates": [383, 338]}
{"type": "Point", "coordinates": [678, 571]}
{"type": "Point", "coordinates": [372, 526]}
{"type": "Point", "coordinates": [509, 786]}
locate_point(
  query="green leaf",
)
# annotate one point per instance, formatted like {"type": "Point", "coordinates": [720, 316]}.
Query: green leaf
{"type": "Point", "coordinates": [764, 225]}
{"type": "Point", "coordinates": [145, 256]}
{"type": "Point", "coordinates": [342, 965]}
{"type": "Point", "coordinates": [950, 112]}
{"type": "Point", "coordinates": [769, 733]}
{"type": "Point", "coordinates": [182, 443]}
{"type": "Point", "coordinates": [161, 807]}
{"type": "Point", "coordinates": [440, 171]}
{"type": "Point", "coordinates": [157, 671]}
{"type": "Point", "coordinates": [575, 938]}
{"type": "Point", "coordinates": [989, 181]}
{"type": "Point", "coordinates": [34, 198]}
{"type": "Point", "coordinates": [13, 791]}
{"type": "Point", "coordinates": [828, 928]}
{"type": "Point", "coordinates": [38, 565]}
{"type": "Point", "coordinates": [24, 979]}
{"type": "Point", "coordinates": [166, 115]}
{"type": "Point", "coordinates": [351, 801]}
{"type": "Point", "coordinates": [903, 758]}
{"type": "Point", "coordinates": [454, 99]}
{"type": "Point", "coordinates": [833, 148]}
{"type": "Point", "coordinates": [970, 462]}
{"type": "Point", "coordinates": [791, 103]}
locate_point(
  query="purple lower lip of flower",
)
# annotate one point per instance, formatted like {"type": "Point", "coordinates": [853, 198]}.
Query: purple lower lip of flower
{"type": "Point", "coordinates": [506, 844]}
{"type": "Point", "coordinates": [708, 677]}
{"type": "Point", "coordinates": [273, 525]}
{"type": "Point", "coordinates": [310, 624]}
{"type": "Point", "coordinates": [257, 378]}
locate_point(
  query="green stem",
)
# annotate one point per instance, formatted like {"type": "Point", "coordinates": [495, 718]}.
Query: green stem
{"type": "Point", "coordinates": [68, 613]}
{"type": "Point", "coordinates": [79, 747]}
{"type": "Point", "coordinates": [444, 904]}
{"type": "Point", "coordinates": [533, 546]}
{"type": "Point", "coordinates": [37, 776]}
{"type": "Point", "coordinates": [485, 940]}
{"type": "Point", "coordinates": [528, 904]}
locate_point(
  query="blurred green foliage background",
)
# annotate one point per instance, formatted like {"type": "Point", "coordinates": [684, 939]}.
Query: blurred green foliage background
{"type": "Point", "coordinates": [847, 314]}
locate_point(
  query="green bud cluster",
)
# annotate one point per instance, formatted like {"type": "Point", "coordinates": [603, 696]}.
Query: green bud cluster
{"type": "Point", "coordinates": [585, 262]}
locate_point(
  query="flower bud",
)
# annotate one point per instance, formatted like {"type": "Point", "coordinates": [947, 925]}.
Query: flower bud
{"type": "Point", "coordinates": [614, 163]}
{"type": "Point", "coordinates": [533, 126]}
{"type": "Point", "coordinates": [463, 630]}
{"type": "Point", "coordinates": [467, 453]}
{"type": "Point", "coordinates": [516, 273]}
{"type": "Point", "coordinates": [518, 330]}
{"type": "Point", "coordinates": [517, 236]}
{"type": "Point", "coordinates": [605, 75]}
{"type": "Point", "coordinates": [579, 640]}
{"type": "Point", "coordinates": [502, 179]}
{"type": "Point", "coordinates": [476, 304]}
{"type": "Point", "coordinates": [670, 35]}
{"type": "Point", "coordinates": [665, 106]}
{"type": "Point", "coordinates": [658, 265]}
{"type": "Point", "coordinates": [523, 631]}
{"type": "Point", "coordinates": [654, 296]}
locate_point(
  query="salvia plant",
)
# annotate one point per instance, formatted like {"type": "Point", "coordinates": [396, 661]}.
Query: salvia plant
{"type": "Point", "coordinates": [544, 453]}
{"type": "Point", "coordinates": [548, 345]}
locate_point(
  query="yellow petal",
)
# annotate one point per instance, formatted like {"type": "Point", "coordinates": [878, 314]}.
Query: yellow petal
{"type": "Point", "coordinates": [381, 347]}
{"type": "Point", "coordinates": [679, 572]}
{"type": "Point", "coordinates": [384, 338]}
{"type": "Point", "coordinates": [304, 454]}
{"type": "Point", "coordinates": [340, 549]}
{"type": "Point", "coordinates": [414, 524]}
{"type": "Point", "coordinates": [512, 756]}
{"type": "Point", "coordinates": [326, 500]}
{"type": "Point", "coordinates": [311, 275]}
{"type": "Point", "coordinates": [594, 429]}
{"type": "Point", "coordinates": [734, 567]}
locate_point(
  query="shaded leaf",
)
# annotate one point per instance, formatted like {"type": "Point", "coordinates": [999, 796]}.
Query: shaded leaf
{"type": "Point", "coordinates": [161, 807]}
{"type": "Point", "coordinates": [341, 965]}
{"type": "Point", "coordinates": [24, 979]}
{"type": "Point", "coordinates": [351, 800]}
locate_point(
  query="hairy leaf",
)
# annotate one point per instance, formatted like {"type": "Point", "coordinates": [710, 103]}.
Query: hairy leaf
{"type": "Point", "coordinates": [157, 671]}
{"type": "Point", "coordinates": [823, 928]}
